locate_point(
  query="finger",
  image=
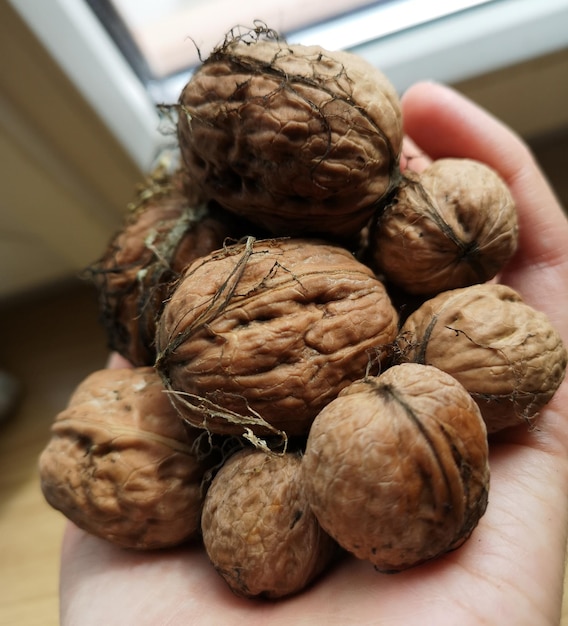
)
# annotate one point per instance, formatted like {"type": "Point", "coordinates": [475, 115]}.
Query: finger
{"type": "Point", "coordinates": [116, 361]}
{"type": "Point", "coordinates": [412, 157]}
{"type": "Point", "coordinates": [444, 123]}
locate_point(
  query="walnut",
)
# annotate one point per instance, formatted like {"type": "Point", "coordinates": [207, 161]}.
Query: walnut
{"type": "Point", "coordinates": [121, 464]}
{"type": "Point", "coordinates": [296, 138]}
{"type": "Point", "coordinates": [452, 226]}
{"type": "Point", "coordinates": [167, 228]}
{"type": "Point", "coordinates": [504, 352]}
{"type": "Point", "coordinates": [396, 467]}
{"type": "Point", "coordinates": [258, 529]}
{"type": "Point", "coordinates": [258, 337]}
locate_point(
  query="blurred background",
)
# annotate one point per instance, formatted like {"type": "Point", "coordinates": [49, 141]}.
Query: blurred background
{"type": "Point", "coordinates": [80, 81]}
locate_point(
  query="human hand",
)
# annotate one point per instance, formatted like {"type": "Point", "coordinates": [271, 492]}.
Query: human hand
{"type": "Point", "coordinates": [510, 571]}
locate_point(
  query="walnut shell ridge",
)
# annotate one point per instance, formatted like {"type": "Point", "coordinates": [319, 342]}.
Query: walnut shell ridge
{"type": "Point", "coordinates": [451, 226]}
{"type": "Point", "coordinates": [396, 467]}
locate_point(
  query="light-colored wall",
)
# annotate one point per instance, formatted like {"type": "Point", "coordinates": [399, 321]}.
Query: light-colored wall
{"type": "Point", "coordinates": [532, 97]}
{"type": "Point", "coordinates": [64, 179]}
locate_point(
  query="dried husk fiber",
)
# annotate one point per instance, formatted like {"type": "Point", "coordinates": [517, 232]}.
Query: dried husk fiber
{"type": "Point", "coordinates": [505, 353]}
{"type": "Point", "coordinates": [166, 228]}
{"type": "Point", "coordinates": [453, 225]}
{"type": "Point", "coordinates": [296, 138]}
{"type": "Point", "coordinates": [258, 337]}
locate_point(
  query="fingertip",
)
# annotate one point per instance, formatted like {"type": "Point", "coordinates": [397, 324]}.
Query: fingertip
{"type": "Point", "coordinates": [116, 361]}
{"type": "Point", "coordinates": [422, 86]}
{"type": "Point", "coordinates": [412, 158]}
{"type": "Point", "coordinates": [425, 94]}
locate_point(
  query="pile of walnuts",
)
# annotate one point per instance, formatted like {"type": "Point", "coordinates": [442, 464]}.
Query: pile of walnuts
{"type": "Point", "coordinates": [320, 353]}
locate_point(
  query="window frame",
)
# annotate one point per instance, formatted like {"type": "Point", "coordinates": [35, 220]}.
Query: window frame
{"type": "Point", "coordinates": [447, 50]}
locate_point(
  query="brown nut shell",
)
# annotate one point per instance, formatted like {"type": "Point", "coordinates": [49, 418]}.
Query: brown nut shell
{"type": "Point", "coordinates": [396, 468]}
{"type": "Point", "coordinates": [120, 463]}
{"type": "Point", "coordinates": [503, 351]}
{"type": "Point", "coordinates": [258, 337]}
{"type": "Point", "coordinates": [258, 529]}
{"type": "Point", "coordinates": [296, 138]}
{"type": "Point", "coordinates": [167, 228]}
{"type": "Point", "coordinates": [452, 226]}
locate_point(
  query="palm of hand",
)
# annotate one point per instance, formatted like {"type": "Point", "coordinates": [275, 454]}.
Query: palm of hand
{"type": "Point", "coordinates": [467, 586]}
{"type": "Point", "coordinates": [510, 571]}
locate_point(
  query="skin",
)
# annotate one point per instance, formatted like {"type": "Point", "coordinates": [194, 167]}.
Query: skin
{"type": "Point", "coordinates": [509, 572]}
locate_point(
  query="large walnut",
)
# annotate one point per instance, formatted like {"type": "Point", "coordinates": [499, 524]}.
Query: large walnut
{"type": "Point", "coordinates": [258, 529]}
{"type": "Point", "coordinates": [504, 352]}
{"type": "Point", "coordinates": [451, 226]}
{"type": "Point", "coordinates": [121, 464]}
{"type": "Point", "coordinates": [396, 467]}
{"type": "Point", "coordinates": [297, 138]}
{"type": "Point", "coordinates": [167, 228]}
{"type": "Point", "coordinates": [261, 335]}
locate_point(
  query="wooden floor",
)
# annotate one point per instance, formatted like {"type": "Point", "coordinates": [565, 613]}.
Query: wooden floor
{"type": "Point", "coordinates": [50, 343]}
